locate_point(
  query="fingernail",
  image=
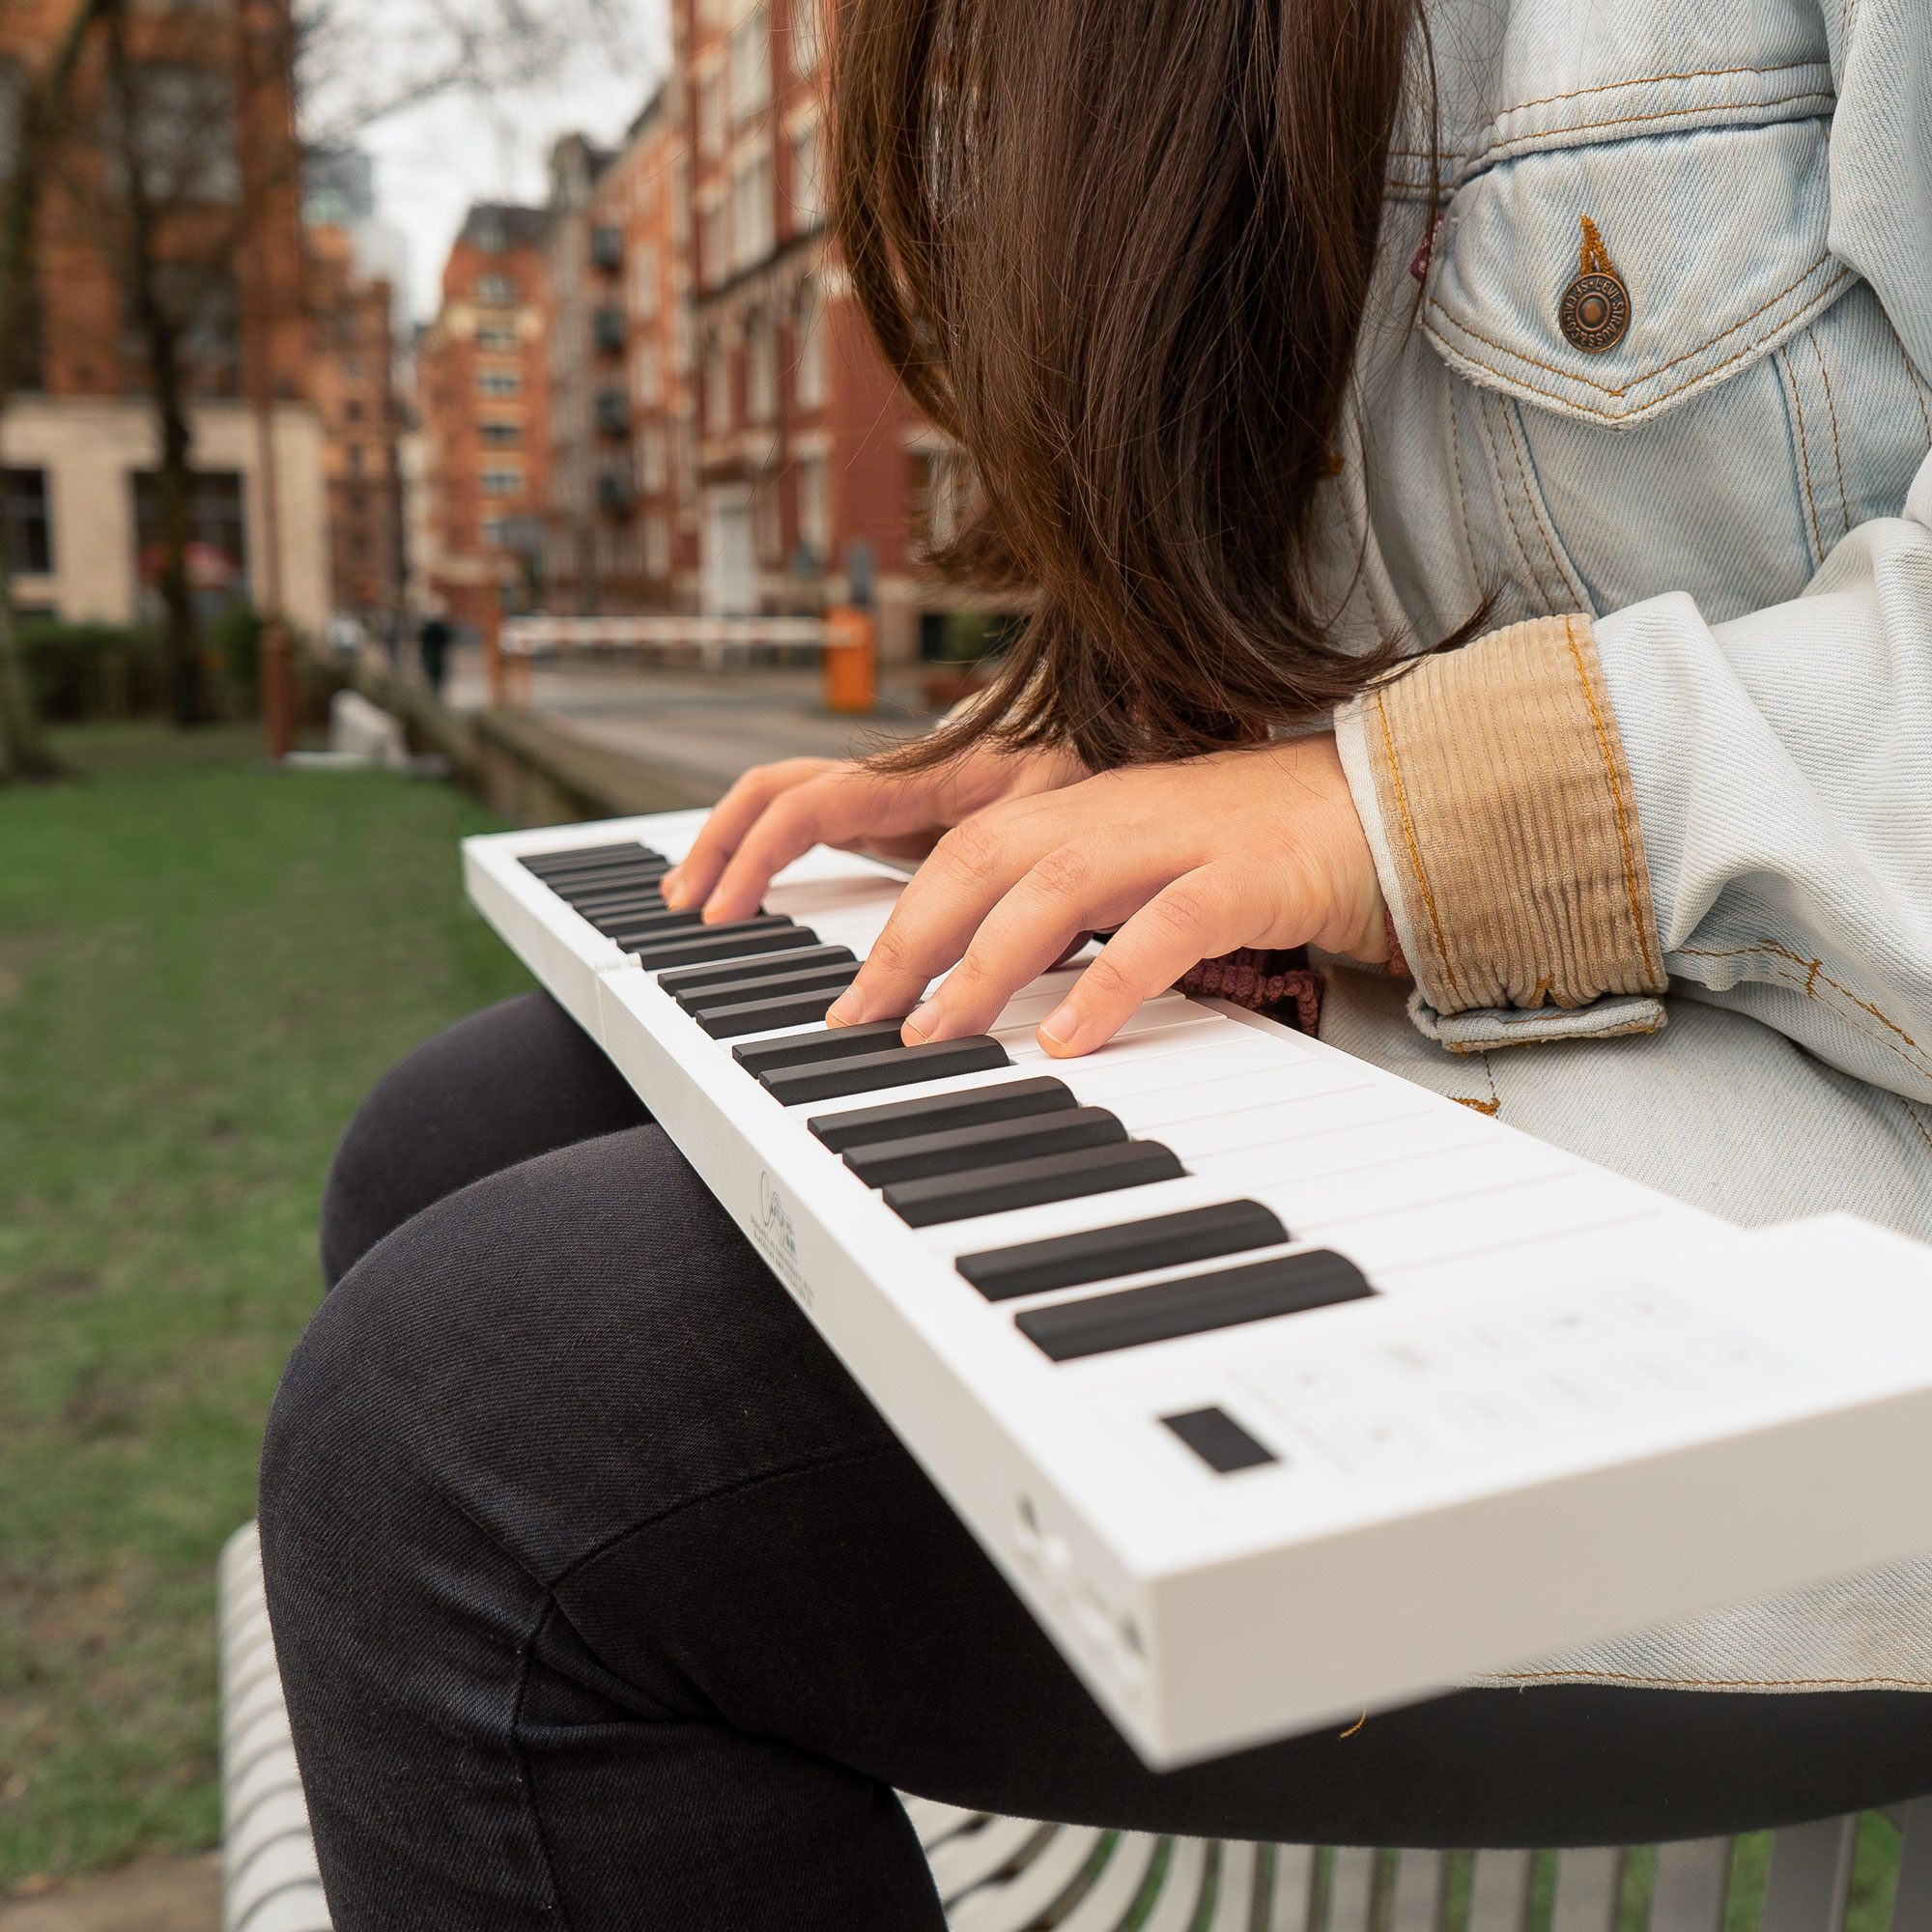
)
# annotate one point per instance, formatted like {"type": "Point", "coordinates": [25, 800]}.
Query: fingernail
{"type": "Point", "coordinates": [1062, 1026]}
{"type": "Point", "coordinates": [713, 912]}
{"type": "Point", "coordinates": [847, 1010]}
{"type": "Point", "coordinates": [923, 1021]}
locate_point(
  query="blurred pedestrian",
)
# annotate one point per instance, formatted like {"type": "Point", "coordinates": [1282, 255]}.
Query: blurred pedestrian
{"type": "Point", "coordinates": [434, 641]}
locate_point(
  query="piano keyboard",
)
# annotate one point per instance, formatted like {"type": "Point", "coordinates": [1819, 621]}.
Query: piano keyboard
{"type": "Point", "coordinates": [1278, 1386]}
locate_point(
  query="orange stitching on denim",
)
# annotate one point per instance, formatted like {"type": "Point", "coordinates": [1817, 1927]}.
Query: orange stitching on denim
{"type": "Point", "coordinates": [1461, 495]}
{"type": "Point", "coordinates": [1524, 144]}
{"type": "Point", "coordinates": [1650, 80]}
{"type": "Point", "coordinates": [1707, 1683]}
{"type": "Point", "coordinates": [1790, 376]}
{"type": "Point", "coordinates": [1564, 587]}
{"type": "Point", "coordinates": [1631, 890]}
{"type": "Point", "coordinates": [1813, 973]}
{"type": "Point", "coordinates": [1414, 850]}
{"type": "Point", "coordinates": [1510, 146]}
{"type": "Point", "coordinates": [1837, 451]}
{"type": "Point", "coordinates": [1603, 390]}
{"type": "Point", "coordinates": [1529, 562]}
{"type": "Point", "coordinates": [1641, 80]}
{"type": "Point", "coordinates": [1912, 1115]}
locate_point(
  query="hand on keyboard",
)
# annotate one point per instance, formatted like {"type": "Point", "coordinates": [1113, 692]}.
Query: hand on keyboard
{"type": "Point", "coordinates": [775, 813]}
{"type": "Point", "coordinates": [1189, 861]}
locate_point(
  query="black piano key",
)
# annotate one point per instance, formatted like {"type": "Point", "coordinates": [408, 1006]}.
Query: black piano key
{"type": "Point", "coordinates": [940, 1113]}
{"type": "Point", "coordinates": [937, 1060]}
{"type": "Point", "coordinates": [632, 899]}
{"type": "Point", "coordinates": [1027, 1184]}
{"type": "Point", "coordinates": [568, 857]}
{"type": "Point", "coordinates": [830, 979]}
{"type": "Point", "coordinates": [1161, 1240]}
{"type": "Point", "coordinates": [623, 927]}
{"type": "Point", "coordinates": [1196, 1303]}
{"type": "Point", "coordinates": [614, 892]}
{"type": "Point", "coordinates": [722, 942]}
{"type": "Point", "coordinates": [827, 1043]}
{"type": "Point", "coordinates": [629, 892]}
{"type": "Point", "coordinates": [992, 1144]}
{"type": "Point", "coordinates": [788, 1010]}
{"type": "Point", "coordinates": [723, 974]}
{"type": "Point", "coordinates": [600, 879]}
{"type": "Point", "coordinates": [1219, 1440]}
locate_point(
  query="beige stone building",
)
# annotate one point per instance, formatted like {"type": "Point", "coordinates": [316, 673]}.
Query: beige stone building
{"type": "Point", "coordinates": [81, 461]}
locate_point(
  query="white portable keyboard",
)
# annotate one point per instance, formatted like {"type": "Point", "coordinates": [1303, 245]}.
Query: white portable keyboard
{"type": "Point", "coordinates": [1279, 1387]}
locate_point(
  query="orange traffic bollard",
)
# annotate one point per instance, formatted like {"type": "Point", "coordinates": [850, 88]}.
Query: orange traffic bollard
{"type": "Point", "coordinates": [850, 662]}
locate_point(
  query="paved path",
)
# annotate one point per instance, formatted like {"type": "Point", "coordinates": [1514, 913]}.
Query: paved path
{"type": "Point", "coordinates": [155, 1895]}
{"type": "Point", "coordinates": [707, 725]}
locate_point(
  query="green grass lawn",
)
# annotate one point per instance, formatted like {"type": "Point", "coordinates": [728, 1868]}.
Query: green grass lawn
{"type": "Point", "coordinates": [203, 967]}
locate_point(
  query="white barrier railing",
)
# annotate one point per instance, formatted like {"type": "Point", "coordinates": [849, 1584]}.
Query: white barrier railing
{"type": "Point", "coordinates": [712, 641]}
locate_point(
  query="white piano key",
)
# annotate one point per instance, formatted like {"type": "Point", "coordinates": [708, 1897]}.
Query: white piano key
{"type": "Point", "coordinates": [1270, 1087]}
{"type": "Point", "coordinates": [1328, 1118]}
{"type": "Point", "coordinates": [1482, 1223]}
{"type": "Point", "coordinates": [1165, 1065]}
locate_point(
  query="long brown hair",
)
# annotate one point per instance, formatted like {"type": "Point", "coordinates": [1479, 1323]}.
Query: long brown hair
{"type": "Point", "coordinates": [1120, 250]}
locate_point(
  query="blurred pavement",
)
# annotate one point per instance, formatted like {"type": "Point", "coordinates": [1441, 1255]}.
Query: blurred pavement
{"type": "Point", "coordinates": [711, 725]}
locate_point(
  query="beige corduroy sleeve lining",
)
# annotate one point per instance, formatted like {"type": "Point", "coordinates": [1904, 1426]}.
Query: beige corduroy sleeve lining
{"type": "Point", "coordinates": [1509, 824]}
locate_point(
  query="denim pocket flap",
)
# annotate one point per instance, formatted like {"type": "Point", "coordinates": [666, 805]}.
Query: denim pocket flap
{"type": "Point", "coordinates": [1717, 240]}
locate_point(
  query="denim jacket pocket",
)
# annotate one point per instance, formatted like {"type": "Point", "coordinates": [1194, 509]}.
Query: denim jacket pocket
{"type": "Point", "coordinates": [1718, 238]}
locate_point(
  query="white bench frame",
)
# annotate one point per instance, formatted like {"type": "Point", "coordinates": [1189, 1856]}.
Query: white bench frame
{"type": "Point", "coordinates": [1014, 1875]}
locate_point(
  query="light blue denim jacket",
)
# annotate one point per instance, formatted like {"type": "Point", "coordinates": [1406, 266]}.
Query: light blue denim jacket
{"type": "Point", "coordinates": [1739, 494]}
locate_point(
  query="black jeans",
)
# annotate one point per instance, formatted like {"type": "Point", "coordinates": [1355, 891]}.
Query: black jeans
{"type": "Point", "coordinates": [603, 1597]}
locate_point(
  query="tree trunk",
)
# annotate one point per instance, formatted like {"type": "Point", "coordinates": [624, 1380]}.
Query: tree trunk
{"type": "Point", "coordinates": [23, 745]}
{"type": "Point", "coordinates": [161, 334]}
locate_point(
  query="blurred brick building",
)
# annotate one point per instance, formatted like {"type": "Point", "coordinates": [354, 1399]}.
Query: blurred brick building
{"type": "Point", "coordinates": [483, 394]}
{"type": "Point", "coordinates": [623, 526]}
{"type": "Point", "coordinates": [214, 134]}
{"type": "Point", "coordinates": [350, 380]}
{"type": "Point", "coordinates": [807, 452]}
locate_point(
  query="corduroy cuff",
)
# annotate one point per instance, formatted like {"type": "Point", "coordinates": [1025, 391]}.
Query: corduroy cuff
{"type": "Point", "coordinates": [1506, 831]}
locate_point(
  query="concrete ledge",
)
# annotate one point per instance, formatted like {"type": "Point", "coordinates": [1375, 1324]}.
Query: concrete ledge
{"type": "Point", "coordinates": [523, 767]}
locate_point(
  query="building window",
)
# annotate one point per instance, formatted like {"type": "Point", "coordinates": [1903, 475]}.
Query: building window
{"type": "Point", "coordinates": [717, 386]}
{"type": "Point", "coordinates": [750, 64]}
{"type": "Point", "coordinates": [713, 262]}
{"type": "Point", "coordinates": [711, 114]}
{"type": "Point", "coordinates": [805, 35]}
{"type": "Point", "coordinates": [29, 534]}
{"type": "Point", "coordinates": [351, 412]}
{"type": "Point", "coordinates": [355, 455]}
{"type": "Point", "coordinates": [657, 546]}
{"type": "Point", "coordinates": [500, 435]}
{"type": "Point", "coordinates": [499, 382]}
{"type": "Point", "coordinates": [808, 377]}
{"type": "Point", "coordinates": [752, 211]}
{"type": "Point", "coordinates": [495, 288]}
{"type": "Point", "coordinates": [767, 527]}
{"type": "Point", "coordinates": [498, 337]}
{"type": "Point", "coordinates": [502, 482]}
{"type": "Point", "coordinates": [493, 532]}
{"type": "Point", "coordinates": [606, 246]}
{"type": "Point", "coordinates": [215, 513]}
{"type": "Point", "coordinates": [808, 192]}
{"type": "Point", "coordinates": [649, 377]}
{"type": "Point", "coordinates": [653, 463]}
{"type": "Point", "coordinates": [352, 365]}
{"type": "Point", "coordinates": [814, 509]}
{"type": "Point", "coordinates": [645, 282]}
{"type": "Point", "coordinates": [761, 367]}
